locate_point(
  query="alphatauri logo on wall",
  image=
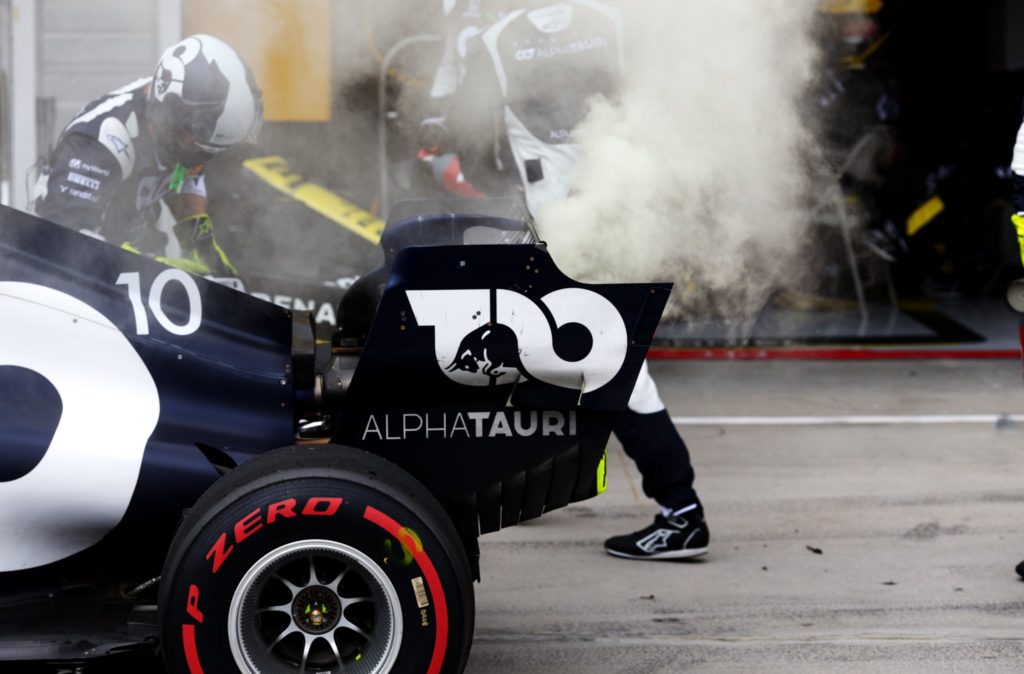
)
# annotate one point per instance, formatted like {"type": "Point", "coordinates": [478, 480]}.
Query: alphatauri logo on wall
{"type": "Point", "coordinates": [492, 337]}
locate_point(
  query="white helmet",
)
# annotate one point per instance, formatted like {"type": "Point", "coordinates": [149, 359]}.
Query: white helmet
{"type": "Point", "coordinates": [203, 100]}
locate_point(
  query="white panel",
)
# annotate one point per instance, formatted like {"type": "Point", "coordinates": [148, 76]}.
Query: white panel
{"type": "Point", "coordinates": [89, 48]}
{"type": "Point", "coordinates": [79, 89]}
{"type": "Point", "coordinates": [5, 102]}
{"type": "Point", "coordinates": [108, 16]}
{"type": "Point", "coordinates": [85, 51]}
{"type": "Point", "coordinates": [169, 17]}
{"type": "Point", "coordinates": [23, 98]}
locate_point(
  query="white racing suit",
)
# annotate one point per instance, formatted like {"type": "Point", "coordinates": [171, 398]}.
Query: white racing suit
{"type": "Point", "coordinates": [529, 79]}
{"type": "Point", "coordinates": [528, 82]}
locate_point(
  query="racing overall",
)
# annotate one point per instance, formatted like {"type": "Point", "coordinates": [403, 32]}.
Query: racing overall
{"type": "Point", "coordinates": [105, 177]}
{"type": "Point", "coordinates": [539, 69]}
{"type": "Point", "coordinates": [529, 79]}
{"type": "Point", "coordinates": [463, 20]}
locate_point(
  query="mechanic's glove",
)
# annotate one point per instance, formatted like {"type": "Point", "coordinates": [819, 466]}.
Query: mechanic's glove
{"type": "Point", "coordinates": [195, 234]}
{"type": "Point", "coordinates": [191, 265]}
{"type": "Point", "coordinates": [447, 170]}
{"type": "Point", "coordinates": [1018, 222]}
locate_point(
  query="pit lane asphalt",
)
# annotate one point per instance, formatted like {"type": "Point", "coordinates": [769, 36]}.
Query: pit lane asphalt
{"type": "Point", "coordinates": [919, 526]}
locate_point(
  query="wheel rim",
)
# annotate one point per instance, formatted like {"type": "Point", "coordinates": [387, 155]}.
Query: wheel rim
{"type": "Point", "coordinates": [315, 606]}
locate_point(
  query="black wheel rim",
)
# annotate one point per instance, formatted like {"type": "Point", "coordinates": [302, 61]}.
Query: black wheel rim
{"type": "Point", "coordinates": [315, 606]}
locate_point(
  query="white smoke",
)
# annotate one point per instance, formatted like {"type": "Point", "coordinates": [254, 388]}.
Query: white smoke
{"type": "Point", "coordinates": [700, 173]}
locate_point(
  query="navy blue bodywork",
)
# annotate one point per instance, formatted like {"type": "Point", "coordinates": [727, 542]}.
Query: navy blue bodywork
{"type": "Point", "coordinates": [228, 385]}
{"type": "Point", "coordinates": [231, 386]}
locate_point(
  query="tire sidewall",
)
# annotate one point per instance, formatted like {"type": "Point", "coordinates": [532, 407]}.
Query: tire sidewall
{"type": "Point", "coordinates": [258, 518]}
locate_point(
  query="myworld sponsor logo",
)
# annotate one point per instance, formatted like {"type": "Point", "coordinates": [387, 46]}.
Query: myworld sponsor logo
{"type": "Point", "coordinates": [470, 425]}
{"type": "Point", "coordinates": [79, 165]}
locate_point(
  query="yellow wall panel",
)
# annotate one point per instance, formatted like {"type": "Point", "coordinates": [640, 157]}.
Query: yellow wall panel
{"type": "Point", "coordinates": [286, 42]}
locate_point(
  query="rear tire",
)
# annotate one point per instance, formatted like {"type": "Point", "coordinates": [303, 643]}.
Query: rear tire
{"type": "Point", "coordinates": [316, 559]}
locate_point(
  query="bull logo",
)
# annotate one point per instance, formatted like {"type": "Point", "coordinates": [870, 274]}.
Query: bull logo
{"type": "Point", "coordinates": [163, 82]}
{"type": "Point", "coordinates": [495, 337]}
{"type": "Point", "coordinates": [491, 351]}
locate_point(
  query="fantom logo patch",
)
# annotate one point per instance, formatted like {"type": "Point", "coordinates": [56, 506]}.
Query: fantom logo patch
{"type": "Point", "coordinates": [572, 338]}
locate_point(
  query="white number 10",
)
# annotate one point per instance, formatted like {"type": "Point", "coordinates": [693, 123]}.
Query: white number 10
{"type": "Point", "coordinates": [156, 292]}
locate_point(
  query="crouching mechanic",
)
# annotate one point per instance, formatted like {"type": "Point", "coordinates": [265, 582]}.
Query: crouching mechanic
{"type": "Point", "coordinates": [538, 67]}
{"type": "Point", "coordinates": [146, 143]}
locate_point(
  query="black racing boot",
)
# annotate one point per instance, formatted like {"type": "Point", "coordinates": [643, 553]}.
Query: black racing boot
{"type": "Point", "coordinates": [672, 537]}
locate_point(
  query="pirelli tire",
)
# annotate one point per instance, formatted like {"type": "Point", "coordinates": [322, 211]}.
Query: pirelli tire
{"type": "Point", "coordinates": [316, 559]}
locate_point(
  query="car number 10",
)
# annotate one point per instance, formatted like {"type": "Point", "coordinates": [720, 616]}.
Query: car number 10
{"type": "Point", "coordinates": [156, 292]}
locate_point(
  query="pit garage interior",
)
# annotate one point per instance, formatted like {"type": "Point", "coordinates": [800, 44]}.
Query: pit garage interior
{"type": "Point", "coordinates": [858, 444]}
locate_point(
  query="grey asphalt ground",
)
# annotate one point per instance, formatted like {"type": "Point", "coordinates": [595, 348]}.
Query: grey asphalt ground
{"type": "Point", "coordinates": [919, 527]}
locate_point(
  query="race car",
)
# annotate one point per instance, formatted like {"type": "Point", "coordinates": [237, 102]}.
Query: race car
{"type": "Point", "coordinates": [185, 470]}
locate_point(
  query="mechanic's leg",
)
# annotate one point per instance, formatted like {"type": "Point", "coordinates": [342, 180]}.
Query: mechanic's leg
{"type": "Point", "coordinates": [650, 438]}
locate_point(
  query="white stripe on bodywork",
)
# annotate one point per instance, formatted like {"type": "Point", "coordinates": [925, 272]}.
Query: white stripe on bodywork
{"type": "Point", "coordinates": [80, 489]}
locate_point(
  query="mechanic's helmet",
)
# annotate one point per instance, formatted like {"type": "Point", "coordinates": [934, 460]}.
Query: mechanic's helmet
{"type": "Point", "coordinates": [203, 100]}
{"type": "Point", "coordinates": [845, 7]}
{"type": "Point", "coordinates": [857, 23]}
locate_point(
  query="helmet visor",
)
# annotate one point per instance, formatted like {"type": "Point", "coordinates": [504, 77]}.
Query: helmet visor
{"type": "Point", "coordinates": [192, 138]}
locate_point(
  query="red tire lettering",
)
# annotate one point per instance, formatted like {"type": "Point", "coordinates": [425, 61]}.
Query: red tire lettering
{"type": "Point", "coordinates": [219, 552]}
{"type": "Point", "coordinates": [192, 604]}
{"type": "Point", "coordinates": [188, 640]}
{"type": "Point", "coordinates": [247, 526]}
{"type": "Point", "coordinates": [312, 504]}
{"type": "Point", "coordinates": [285, 508]}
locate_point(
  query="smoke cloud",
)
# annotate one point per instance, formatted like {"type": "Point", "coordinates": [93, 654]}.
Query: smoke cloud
{"type": "Point", "coordinates": [701, 173]}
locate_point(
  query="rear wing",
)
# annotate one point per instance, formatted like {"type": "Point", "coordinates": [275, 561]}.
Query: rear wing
{"type": "Point", "coordinates": [495, 378]}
